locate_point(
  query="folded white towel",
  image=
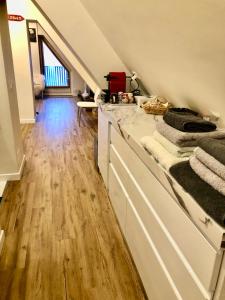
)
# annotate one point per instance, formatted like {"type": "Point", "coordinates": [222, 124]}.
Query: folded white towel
{"type": "Point", "coordinates": [207, 175]}
{"type": "Point", "coordinates": [210, 162]}
{"type": "Point", "coordinates": [161, 155]}
{"type": "Point", "coordinates": [171, 147]}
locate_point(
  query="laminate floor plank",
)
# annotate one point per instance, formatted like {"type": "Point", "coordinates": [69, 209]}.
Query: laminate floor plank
{"type": "Point", "coordinates": [62, 239]}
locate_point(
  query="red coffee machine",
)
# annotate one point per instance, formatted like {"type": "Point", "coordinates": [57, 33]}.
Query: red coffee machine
{"type": "Point", "coordinates": [117, 82]}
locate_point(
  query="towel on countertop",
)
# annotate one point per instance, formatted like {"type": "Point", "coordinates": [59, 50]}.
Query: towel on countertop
{"type": "Point", "coordinates": [187, 120]}
{"type": "Point", "coordinates": [214, 147]}
{"type": "Point", "coordinates": [186, 139]}
{"type": "Point", "coordinates": [211, 201]}
{"type": "Point", "coordinates": [210, 162]}
{"type": "Point", "coordinates": [165, 158]}
{"type": "Point", "coordinates": [207, 175]}
{"type": "Point", "coordinates": [172, 148]}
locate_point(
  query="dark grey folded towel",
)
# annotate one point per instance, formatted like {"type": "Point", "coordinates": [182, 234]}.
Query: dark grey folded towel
{"type": "Point", "coordinates": [214, 147]}
{"type": "Point", "coordinates": [208, 198]}
{"type": "Point", "coordinates": [186, 139]}
{"type": "Point", "coordinates": [187, 120]}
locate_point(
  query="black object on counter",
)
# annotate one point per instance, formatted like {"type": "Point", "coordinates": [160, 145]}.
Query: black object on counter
{"type": "Point", "coordinates": [105, 96]}
{"type": "Point", "coordinates": [214, 147]}
{"type": "Point", "coordinates": [187, 120]}
{"type": "Point", "coordinates": [212, 202]}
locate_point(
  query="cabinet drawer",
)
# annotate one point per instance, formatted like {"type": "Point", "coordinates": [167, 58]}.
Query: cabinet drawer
{"type": "Point", "coordinates": [117, 196]}
{"type": "Point", "coordinates": [156, 280]}
{"type": "Point", "coordinates": [176, 263]}
{"type": "Point", "coordinates": [198, 252]}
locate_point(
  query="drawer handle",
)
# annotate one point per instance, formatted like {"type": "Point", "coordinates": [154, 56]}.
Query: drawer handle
{"type": "Point", "coordinates": [206, 221]}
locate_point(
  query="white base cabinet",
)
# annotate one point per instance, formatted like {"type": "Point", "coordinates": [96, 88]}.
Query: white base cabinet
{"type": "Point", "coordinates": [174, 259]}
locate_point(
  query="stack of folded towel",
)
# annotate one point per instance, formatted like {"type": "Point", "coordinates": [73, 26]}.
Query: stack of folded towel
{"type": "Point", "coordinates": [160, 154]}
{"type": "Point", "coordinates": [212, 202]}
{"type": "Point", "coordinates": [203, 176]}
{"type": "Point", "coordinates": [208, 163]}
{"type": "Point", "coordinates": [177, 136]}
{"type": "Point", "coordinates": [187, 120]}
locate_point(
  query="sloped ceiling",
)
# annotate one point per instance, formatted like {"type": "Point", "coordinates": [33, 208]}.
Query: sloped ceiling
{"type": "Point", "coordinates": [33, 13]}
{"type": "Point", "coordinates": [177, 47]}
{"type": "Point", "coordinates": [83, 36]}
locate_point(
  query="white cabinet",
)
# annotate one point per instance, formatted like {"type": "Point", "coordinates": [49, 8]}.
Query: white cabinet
{"type": "Point", "coordinates": [103, 145]}
{"type": "Point", "coordinates": [174, 258]}
{"type": "Point", "coordinates": [158, 210]}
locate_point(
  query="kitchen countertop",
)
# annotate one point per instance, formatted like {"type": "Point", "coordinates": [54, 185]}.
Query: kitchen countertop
{"type": "Point", "coordinates": [133, 123]}
{"type": "Point", "coordinates": [132, 120]}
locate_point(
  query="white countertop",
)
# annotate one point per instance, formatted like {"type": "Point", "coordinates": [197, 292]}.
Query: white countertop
{"type": "Point", "coordinates": [133, 123]}
{"type": "Point", "coordinates": [133, 120]}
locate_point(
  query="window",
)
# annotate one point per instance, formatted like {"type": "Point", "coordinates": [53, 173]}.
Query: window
{"type": "Point", "coordinates": [56, 74]}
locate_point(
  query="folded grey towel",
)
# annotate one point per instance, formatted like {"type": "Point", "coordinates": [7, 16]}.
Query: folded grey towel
{"type": "Point", "coordinates": [186, 139]}
{"type": "Point", "coordinates": [207, 175]}
{"type": "Point", "coordinates": [187, 120]}
{"type": "Point", "coordinates": [214, 147]}
{"type": "Point", "coordinates": [208, 198]}
{"type": "Point", "coordinates": [210, 162]}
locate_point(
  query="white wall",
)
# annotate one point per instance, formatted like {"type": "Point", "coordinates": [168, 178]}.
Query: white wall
{"type": "Point", "coordinates": [35, 51]}
{"type": "Point", "coordinates": [11, 152]}
{"type": "Point", "coordinates": [84, 37]}
{"type": "Point", "coordinates": [21, 60]}
{"type": "Point", "coordinates": [177, 47]}
{"type": "Point", "coordinates": [77, 82]}
{"type": "Point", "coordinates": [34, 13]}
{"type": "Point", "coordinates": [35, 58]}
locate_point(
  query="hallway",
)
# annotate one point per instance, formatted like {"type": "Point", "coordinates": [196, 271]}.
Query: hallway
{"type": "Point", "coordinates": [62, 238]}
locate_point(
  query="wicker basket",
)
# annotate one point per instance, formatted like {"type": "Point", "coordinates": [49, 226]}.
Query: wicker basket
{"type": "Point", "coordinates": [156, 107]}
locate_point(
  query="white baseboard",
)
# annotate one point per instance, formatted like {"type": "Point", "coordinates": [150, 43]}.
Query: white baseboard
{"type": "Point", "coordinates": [27, 121]}
{"type": "Point", "coordinates": [2, 237]}
{"type": "Point", "coordinates": [58, 95]}
{"type": "Point", "coordinates": [2, 187]}
{"type": "Point", "coordinates": [14, 176]}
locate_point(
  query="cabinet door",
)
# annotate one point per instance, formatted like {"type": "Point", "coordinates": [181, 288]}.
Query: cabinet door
{"type": "Point", "coordinates": [103, 145]}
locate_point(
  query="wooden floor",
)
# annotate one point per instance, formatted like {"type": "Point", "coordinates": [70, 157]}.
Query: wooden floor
{"type": "Point", "coordinates": [62, 239]}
